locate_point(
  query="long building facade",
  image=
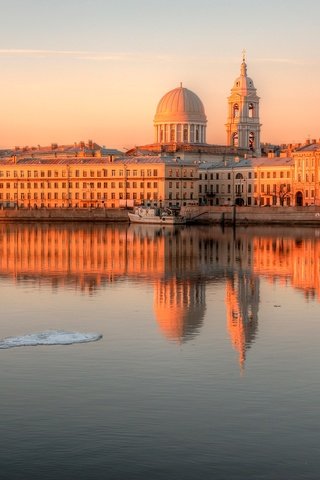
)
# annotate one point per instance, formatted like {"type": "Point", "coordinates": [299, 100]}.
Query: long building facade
{"type": "Point", "coordinates": [91, 182]}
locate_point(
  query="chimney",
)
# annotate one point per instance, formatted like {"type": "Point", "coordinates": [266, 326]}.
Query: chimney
{"type": "Point", "coordinates": [90, 143]}
{"type": "Point", "coordinates": [308, 141]}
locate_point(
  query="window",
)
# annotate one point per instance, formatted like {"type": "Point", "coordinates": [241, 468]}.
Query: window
{"type": "Point", "coordinates": [250, 110]}
{"type": "Point", "coordinates": [229, 176]}
{"type": "Point", "coordinates": [155, 173]}
{"type": "Point", "coordinates": [113, 173]}
{"type": "Point", "coordinates": [235, 140]}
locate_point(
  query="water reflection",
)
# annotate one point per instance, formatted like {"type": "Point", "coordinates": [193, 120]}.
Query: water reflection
{"type": "Point", "coordinates": [178, 263]}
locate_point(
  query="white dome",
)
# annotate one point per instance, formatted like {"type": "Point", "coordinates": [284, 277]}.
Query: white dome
{"type": "Point", "coordinates": [180, 105]}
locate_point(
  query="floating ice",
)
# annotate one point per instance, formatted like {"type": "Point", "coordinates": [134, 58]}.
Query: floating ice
{"type": "Point", "coordinates": [50, 337]}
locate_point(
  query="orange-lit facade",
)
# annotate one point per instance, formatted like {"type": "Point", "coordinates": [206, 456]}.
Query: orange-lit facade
{"type": "Point", "coordinates": [82, 182]}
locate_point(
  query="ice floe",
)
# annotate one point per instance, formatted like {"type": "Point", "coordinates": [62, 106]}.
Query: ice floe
{"type": "Point", "coordinates": [50, 337]}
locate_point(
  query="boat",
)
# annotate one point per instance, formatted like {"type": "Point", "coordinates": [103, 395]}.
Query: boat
{"type": "Point", "coordinates": [163, 216]}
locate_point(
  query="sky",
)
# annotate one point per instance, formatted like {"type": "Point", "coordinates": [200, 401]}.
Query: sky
{"type": "Point", "coordinates": [75, 70]}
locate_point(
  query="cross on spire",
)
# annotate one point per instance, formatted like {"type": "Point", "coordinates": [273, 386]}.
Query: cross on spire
{"type": "Point", "coordinates": [244, 55]}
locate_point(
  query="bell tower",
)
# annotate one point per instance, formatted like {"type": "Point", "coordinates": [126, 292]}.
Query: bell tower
{"type": "Point", "coordinates": [243, 123]}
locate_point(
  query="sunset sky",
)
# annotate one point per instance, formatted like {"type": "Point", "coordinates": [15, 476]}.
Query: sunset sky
{"type": "Point", "coordinates": [75, 70]}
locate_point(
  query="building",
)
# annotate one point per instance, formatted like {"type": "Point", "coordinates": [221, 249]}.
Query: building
{"type": "Point", "coordinates": [96, 182]}
{"type": "Point", "coordinates": [306, 185]}
{"type": "Point", "coordinates": [179, 169]}
{"type": "Point", "coordinates": [251, 182]}
{"type": "Point", "coordinates": [243, 123]}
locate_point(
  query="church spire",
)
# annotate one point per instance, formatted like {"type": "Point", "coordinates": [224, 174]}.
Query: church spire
{"type": "Point", "coordinates": [243, 123]}
{"type": "Point", "coordinates": [243, 69]}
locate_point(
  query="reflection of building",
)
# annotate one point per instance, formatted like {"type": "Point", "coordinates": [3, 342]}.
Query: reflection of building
{"type": "Point", "coordinates": [179, 308]}
{"type": "Point", "coordinates": [242, 302]}
{"type": "Point", "coordinates": [177, 263]}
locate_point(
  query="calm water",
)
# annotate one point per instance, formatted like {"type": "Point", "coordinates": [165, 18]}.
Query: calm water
{"type": "Point", "coordinates": [209, 363]}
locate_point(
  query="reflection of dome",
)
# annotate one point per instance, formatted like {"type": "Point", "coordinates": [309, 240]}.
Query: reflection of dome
{"type": "Point", "coordinates": [179, 309]}
{"type": "Point", "coordinates": [180, 117]}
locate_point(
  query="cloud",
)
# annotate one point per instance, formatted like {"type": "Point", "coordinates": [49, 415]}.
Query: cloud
{"type": "Point", "coordinates": [84, 55]}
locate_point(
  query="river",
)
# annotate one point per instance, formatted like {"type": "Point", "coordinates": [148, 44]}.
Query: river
{"type": "Point", "coordinates": [208, 365]}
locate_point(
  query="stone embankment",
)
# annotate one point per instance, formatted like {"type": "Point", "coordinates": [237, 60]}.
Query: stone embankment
{"type": "Point", "coordinates": [195, 215]}
{"type": "Point", "coordinates": [64, 215]}
{"type": "Point", "coordinates": [254, 215]}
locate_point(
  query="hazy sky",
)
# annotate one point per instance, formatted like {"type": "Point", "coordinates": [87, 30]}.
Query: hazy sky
{"type": "Point", "coordinates": [78, 69]}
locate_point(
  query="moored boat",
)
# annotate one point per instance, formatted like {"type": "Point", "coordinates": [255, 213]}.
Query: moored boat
{"type": "Point", "coordinates": [152, 215]}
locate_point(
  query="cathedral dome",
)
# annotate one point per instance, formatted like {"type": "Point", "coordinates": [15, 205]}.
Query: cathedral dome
{"type": "Point", "coordinates": [180, 105]}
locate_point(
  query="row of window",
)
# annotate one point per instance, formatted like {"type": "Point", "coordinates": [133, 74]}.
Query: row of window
{"type": "Point", "coordinates": [84, 185]}
{"type": "Point", "coordinates": [240, 176]}
{"type": "Point", "coordinates": [89, 196]}
{"type": "Point", "coordinates": [80, 173]}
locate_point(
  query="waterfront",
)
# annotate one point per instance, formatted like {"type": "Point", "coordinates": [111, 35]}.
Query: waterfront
{"type": "Point", "coordinates": [208, 365]}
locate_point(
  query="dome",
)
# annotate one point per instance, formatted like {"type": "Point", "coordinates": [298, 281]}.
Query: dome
{"type": "Point", "coordinates": [180, 105]}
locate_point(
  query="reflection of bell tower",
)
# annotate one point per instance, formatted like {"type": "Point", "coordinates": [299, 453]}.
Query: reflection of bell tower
{"type": "Point", "coordinates": [243, 123]}
{"type": "Point", "coordinates": [242, 302]}
{"type": "Point", "coordinates": [179, 308]}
